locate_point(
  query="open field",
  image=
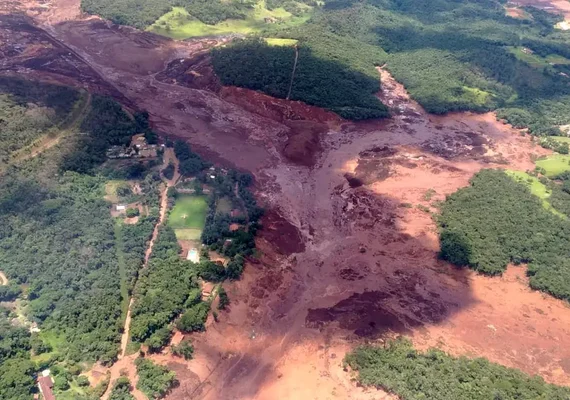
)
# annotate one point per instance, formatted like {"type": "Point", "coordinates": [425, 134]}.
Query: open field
{"type": "Point", "coordinates": [111, 190]}
{"type": "Point", "coordinates": [281, 42]}
{"type": "Point", "coordinates": [188, 216]}
{"type": "Point", "coordinates": [561, 139]}
{"type": "Point", "coordinates": [223, 206]}
{"type": "Point", "coordinates": [536, 188]}
{"type": "Point", "coordinates": [188, 233]}
{"type": "Point", "coordinates": [179, 24]}
{"type": "Point", "coordinates": [554, 164]}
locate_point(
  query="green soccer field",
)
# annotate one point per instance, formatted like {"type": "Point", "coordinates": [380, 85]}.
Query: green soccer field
{"type": "Point", "coordinates": [189, 212]}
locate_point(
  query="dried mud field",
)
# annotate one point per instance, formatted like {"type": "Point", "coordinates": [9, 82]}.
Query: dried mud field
{"type": "Point", "coordinates": [348, 249]}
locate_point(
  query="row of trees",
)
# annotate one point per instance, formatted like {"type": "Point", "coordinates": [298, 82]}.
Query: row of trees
{"type": "Point", "coordinates": [400, 369]}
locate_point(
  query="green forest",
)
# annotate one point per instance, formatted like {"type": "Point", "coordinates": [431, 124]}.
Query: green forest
{"type": "Point", "coordinates": [486, 229]}
{"type": "Point", "coordinates": [29, 111]}
{"type": "Point", "coordinates": [325, 83]}
{"type": "Point", "coordinates": [451, 55]}
{"type": "Point", "coordinates": [143, 13]}
{"type": "Point", "coordinates": [59, 245]}
{"type": "Point", "coordinates": [412, 375]}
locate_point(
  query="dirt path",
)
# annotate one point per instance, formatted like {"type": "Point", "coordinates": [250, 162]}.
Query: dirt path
{"type": "Point", "coordinates": [293, 73]}
{"type": "Point", "coordinates": [126, 363]}
{"type": "Point", "coordinates": [3, 279]}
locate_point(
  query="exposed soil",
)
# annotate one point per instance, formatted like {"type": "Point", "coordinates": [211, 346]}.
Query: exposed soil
{"type": "Point", "coordinates": [345, 254]}
{"type": "Point", "coordinates": [3, 279]}
{"type": "Point", "coordinates": [555, 6]}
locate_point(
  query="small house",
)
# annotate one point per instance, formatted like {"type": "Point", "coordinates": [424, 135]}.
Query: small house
{"type": "Point", "coordinates": [45, 384]}
{"type": "Point", "coordinates": [120, 207]}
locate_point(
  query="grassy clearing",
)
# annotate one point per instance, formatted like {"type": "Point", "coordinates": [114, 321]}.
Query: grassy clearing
{"type": "Point", "coordinates": [111, 190]}
{"type": "Point", "coordinates": [189, 212]}
{"type": "Point", "coordinates": [281, 42]}
{"type": "Point", "coordinates": [188, 234]}
{"type": "Point", "coordinates": [554, 164]}
{"type": "Point", "coordinates": [533, 60]}
{"type": "Point", "coordinates": [536, 188]}
{"type": "Point", "coordinates": [537, 61]}
{"type": "Point", "coordinates": [223, 206]}
{"type": "Point", "coordinates": [557, 59]}
{"type": "Point", "coordinates": [561, 139]}
{"type": "Point", "coordinates": [179, 24]}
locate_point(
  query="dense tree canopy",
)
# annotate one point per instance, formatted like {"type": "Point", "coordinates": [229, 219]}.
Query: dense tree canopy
{"type": "Point", "coordinates": [317, 81]}
{"type": "Point", "coordinates": [485, 229]}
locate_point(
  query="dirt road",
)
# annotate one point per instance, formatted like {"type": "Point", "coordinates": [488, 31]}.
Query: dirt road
{"type": "Point", "coordinates": [3, 279]}
{"type": "Point", "coordinates": [345, 253]}
{"type": "Point", "coordinates": [126, 363]}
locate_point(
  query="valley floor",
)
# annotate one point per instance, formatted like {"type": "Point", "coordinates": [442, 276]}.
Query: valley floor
{"type": "Point", "coordinates": [348, 249]}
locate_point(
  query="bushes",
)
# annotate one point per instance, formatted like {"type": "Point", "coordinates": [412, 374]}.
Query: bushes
{"type": "Point", "coordinates": [168, 172]}
{"type": "Point", "coordinates": [190, 163]}
{"type": "Point", "coordinates": [132, 212]}
{"type": "Point", "coordinates": [184, 349]}
{"type": "Point", "coordinates": [9, 292]}
{"type": "Point", "coordinates": [121, 389]}
{"type": "Point", "coordinates": [496, 221]}
{"type": "Point", "coordinates": [224, 299]}
{"type": "Point", "coordinates": [194, 319]}
{"type": "Point", "coordinates": [399, 369]}
{"type": "Point", "coordinates": [154, 380]}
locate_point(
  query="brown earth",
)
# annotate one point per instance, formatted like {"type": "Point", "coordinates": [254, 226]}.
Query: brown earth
{"type": "Point", "coordinates": [555, 6]}
{"type": "Point", "coordinates": [345, 254]}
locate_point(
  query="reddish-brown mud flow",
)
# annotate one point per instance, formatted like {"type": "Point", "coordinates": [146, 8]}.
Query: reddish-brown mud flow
{"type": "Point", "coordinates": [343, 257]}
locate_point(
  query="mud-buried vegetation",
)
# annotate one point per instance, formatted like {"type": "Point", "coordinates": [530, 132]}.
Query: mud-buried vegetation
{"type": "Point", "coordinates": [398, 368]}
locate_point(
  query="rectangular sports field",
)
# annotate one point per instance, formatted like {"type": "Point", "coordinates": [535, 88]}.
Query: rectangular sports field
{"type": "Point", "coordinates": [188, 216]}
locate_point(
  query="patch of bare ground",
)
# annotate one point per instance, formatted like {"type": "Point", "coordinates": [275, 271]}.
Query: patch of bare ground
{"type": "Point", "coordinates": [345, 255]}
{"type": "Point", "coordinates": [555, 6]}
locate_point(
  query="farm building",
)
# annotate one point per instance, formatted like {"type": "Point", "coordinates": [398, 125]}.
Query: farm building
{"type": "Point", "coordinates": [45, 384]}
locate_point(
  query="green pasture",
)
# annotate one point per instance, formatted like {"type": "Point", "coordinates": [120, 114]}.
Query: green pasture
{"type": "Point", "coordinates": [281, 42]}
{"type": "Point", "coordinates": [188, 216]}
{"type": "Point", "coordinates": [554, 164]}
{"type": "Point", "coordinates": [179, 24]}
{"type": "Point", "coordinates": [536, 188]}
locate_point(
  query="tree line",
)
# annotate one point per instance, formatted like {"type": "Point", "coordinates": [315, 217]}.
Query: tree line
{"type": "Point", "coordinates": [410, 374]}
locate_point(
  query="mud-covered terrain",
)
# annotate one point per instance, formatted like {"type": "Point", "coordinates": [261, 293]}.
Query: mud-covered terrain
{"type": "Point", "coordinates": [348, 249]}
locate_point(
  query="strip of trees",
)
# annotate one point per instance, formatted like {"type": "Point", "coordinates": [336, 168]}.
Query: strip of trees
{"type": "Point", "coordinates": [400, 369]}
